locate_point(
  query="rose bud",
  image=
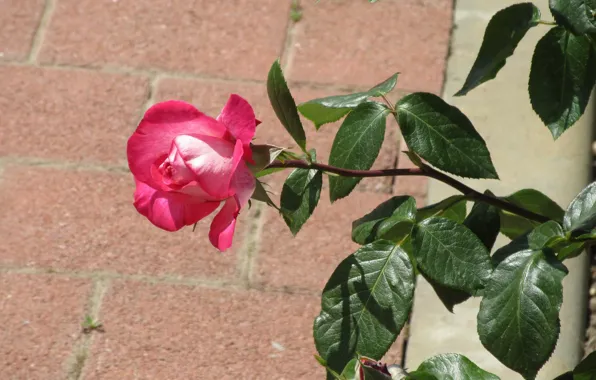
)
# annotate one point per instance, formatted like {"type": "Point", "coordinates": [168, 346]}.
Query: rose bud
{"type": "Point", "coordinates": [185, 164]}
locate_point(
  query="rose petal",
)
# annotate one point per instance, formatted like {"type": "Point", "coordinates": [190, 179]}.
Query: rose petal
{"type": "Point", "coordinates": [155, 133]}
{"type": "Point", "coordinates": [224, 223]}
{"type": "Point", "coordinates": [243, 184]}
{"type": "Point", "coordinates": [170, 211]}
{"type": "Point", "coordinates": [221, 233]}
{"type": "Point", "coordinates": [239, 118]}
{"type": "Point", "coordinates": [213, 160]}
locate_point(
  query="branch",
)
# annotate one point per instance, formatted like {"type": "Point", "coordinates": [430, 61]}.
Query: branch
{"type": "Point", "coordinates": [425, 171]}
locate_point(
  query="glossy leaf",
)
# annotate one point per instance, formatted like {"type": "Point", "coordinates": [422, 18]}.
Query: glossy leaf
{"type": "Point", "coordinates": [284, 105]}
{"type": "Point", "coordinates": [576, 15]}
{"type": "Point", "coordinates": [450, 254]}
{"type": "Point", "coordinates": [561, 79]}
{"type": "Point", "coordinates": [565, 376]}
{"type": "Point", "coordinates": [580, 217]}
{"type": "Point", "coordinates": [453, 207]}
{"type": "Point", "coordinates": [503, 33]}
{"type": "Point", "coordinates": [384, 87]}
{"type": "Point", "coordinates": [454, 367]}
{"type": "Point", "coordinates": [443, 136]}
{"type": "Point", "coordinates": [365, 304]}
{"type": "Point", "coordinates": [546, 235]}
{"type": "Point", "coordinates": [357, 145]}
{"type": "Point", "coordinates": [299, 196]}
{"type": "Point", "coordinates": [448, 296]}
{"type": "Point", "coordinates": [518, 321]}
{"type": "Point", "coordinates": [586, 369]}
{"type": "Point", "coordinates": [419, 375]}
{"type": "Point", "coordinates": [332, 108]}
{"type": "Point", "coordinates": [262, 195]}
{"type": "Point", "coordinates": [513, 225]}
{"type": "Point", "coordinates": [484, 222]}
{"type": "Point", "coordinates": [386, 215]}
{"type": "Point", "coordinates": [350, 371]}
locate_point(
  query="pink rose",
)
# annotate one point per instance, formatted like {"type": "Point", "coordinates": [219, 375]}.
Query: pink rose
{"type": "Point", "coordinates": [186, 163]}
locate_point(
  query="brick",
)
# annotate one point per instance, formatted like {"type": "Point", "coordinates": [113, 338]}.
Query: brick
{"type": "Point", "coordinates": [308, 260]}
{"type": "Point", "coordinates": [210, 98]}
{"type": "Point", "coordinates": [354, 42]}
{"type": "Point", "coordinates": [19, 20]}
{"type": "Point", "coordinates": [177, 332]}
{"type": "Point", "coordinates": [68, 115]}
{"type": "Point", "coordinates": [239, 38]}
{"type": "Point", "coordinates": [86, 221]}
{"type": "Point", "coordinates": [41, 318]}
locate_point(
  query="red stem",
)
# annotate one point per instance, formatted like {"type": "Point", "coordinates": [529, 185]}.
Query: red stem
{"type": "Point", "coordinates": [425, 171]}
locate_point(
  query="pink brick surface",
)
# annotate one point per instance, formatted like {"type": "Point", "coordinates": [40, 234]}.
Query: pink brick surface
{"type": "Point", "coordinates": [64, 114]}
{"type": "Point", "coordinates": [86, 221]}
{"type": "Point", "coordinates": [66, 198]}
{"type": "Point", "coordinates": [354, 42]}
{"type": "Point", "coordinates": [174, 332]}
{"type": "Point", "coordinates": [232, 38]}
{"type": "Point", "coordinates": [19, 20]}
{"type": "Point", "coordinates": [41, 321]}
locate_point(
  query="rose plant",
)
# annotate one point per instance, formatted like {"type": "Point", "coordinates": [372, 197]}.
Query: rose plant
{"type": "Point", "coordinates": [186, 164]}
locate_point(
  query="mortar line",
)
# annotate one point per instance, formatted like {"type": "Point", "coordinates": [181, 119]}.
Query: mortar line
{"type": "Point", "coordinates": [198, 77]}
{"type": "Point", "coordinates": [224, 285]}
{"type": "Point", "coordinates": [251, 246]}
{"type": "Point", "coordinates": [40, 32]}
{"type": "Point", "coordinates": [450, 40]}
{"type": "Point", "coordinates": [81, 349]}
{"type": "Point", "coordinates": [151, 90]}
{"type": "Point", "coordinates": [286, 52]}
{"type": "Point", "coordinates": [59, 164]}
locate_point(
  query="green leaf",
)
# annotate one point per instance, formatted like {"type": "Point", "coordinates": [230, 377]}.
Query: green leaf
{"type": "Point", "coordinates": [357, 145]}
{"type": "Point", "coordinates": [332, 108]}
{"type": "Point", "coordinates": [580, 217]}
{"type": "Point", "coordinates": [448, 296]}
{"type": "Point", "coordinates": [332, 374]}
{"type": "Point", "coordinates": [561, 79]}
{"type": "Point", "coordinates": [388, 214]}
{"type": "Point", "coordinates": [443, 136]}
{"type": "Point", "coordinates": [350, 370]}
{"type": "Point", "coordinates": [419, 375]}
{"type": "Point", "coordinates": [518, 321]}
{"type": "Point", "coordinates": [453, 207]}
{"type": "Point", "coordinates": [504, 31]}
{"type": "Point", "coordinates": [260, 194]}
{"type": "Point", "coordinates": [299, 197]}
{"type": "Point", "coordinates": [513, 225]}
{"type": "Point", "coordinates": [484, 222]}
{"type": "Point", "coordinates": [546, 235]}
{"type": "Point", "coordinates": [284, 105]}
{"type": "Point", "coordinates": [586, 369]}
{"type": "Point", "coordinates": [365, 304]}
{"type": "Point", "coordinates": [384, 87]}
{"type": "Point", "coordinates": [565, 376]}
{"type": "Point", "coordinates": [451, 254]}
{"type": "Point", "coordinates": [569, 250]}
{"type": "Point", "coordinates": [454, 367]}
{"type": "Point", "coordinates": [576, 15]}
